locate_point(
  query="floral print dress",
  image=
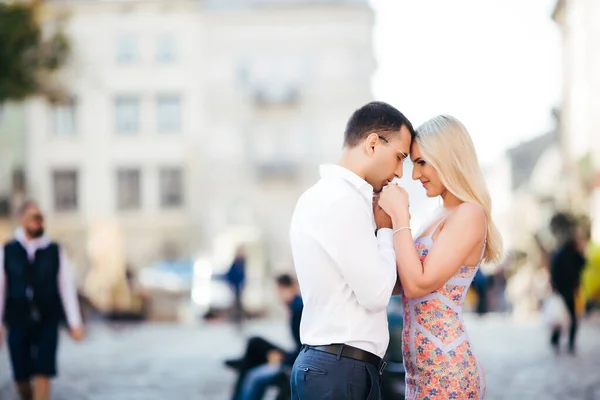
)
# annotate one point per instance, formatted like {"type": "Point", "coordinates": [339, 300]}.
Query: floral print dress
{"type": "Point", "coordinates": [438, 358]}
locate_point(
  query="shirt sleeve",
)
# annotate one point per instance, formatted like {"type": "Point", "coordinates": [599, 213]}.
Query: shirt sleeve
{"type": "Point", "coordinates": [367, 262]}
{"type": "Point", "coordinates": [68, 291]}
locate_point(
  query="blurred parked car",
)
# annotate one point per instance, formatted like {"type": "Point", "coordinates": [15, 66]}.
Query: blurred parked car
{"type": "Point", "coordinates": [175, 288]}
{"type": "Point", "coordinates": [393, 376]}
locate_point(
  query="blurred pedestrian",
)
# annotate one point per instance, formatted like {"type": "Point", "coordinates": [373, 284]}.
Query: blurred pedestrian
{"type": "Point", "coordinates": [566, 266]}
{"type": "Point", "coordinates": [37, 283]}
{"type": "Point", "coordinates": [236, 277]}
{"type": "Point", "coordinates": [263, 361]}
{"type": "Point", "coordinates": [480, 285]}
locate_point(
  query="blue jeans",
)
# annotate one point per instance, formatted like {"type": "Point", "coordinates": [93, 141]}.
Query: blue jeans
{"type": "Point", "coordinates": [324, 376]}
{"type": "Point", "coordinates": [258, 380]}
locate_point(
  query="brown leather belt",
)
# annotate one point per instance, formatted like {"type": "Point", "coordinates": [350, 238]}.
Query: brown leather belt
{"type": "Point", "coordinates": [343, 350]}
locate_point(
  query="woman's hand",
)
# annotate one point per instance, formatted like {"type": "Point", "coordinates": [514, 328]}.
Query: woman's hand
{"type": "Point", "coordinates": [394, 201]}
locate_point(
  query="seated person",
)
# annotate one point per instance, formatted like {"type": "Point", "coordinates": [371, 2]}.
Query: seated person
{"type": "Point", "coordinates": [264, 361]}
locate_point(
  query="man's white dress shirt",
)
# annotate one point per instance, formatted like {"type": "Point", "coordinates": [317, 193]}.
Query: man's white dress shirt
{"type": "Point", "coordinates": [346, 273]}
{"type": "Point", "coordinates": [66, 278]}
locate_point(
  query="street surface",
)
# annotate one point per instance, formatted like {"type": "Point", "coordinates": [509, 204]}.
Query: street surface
{"type": "Point", "coordinates": [165, 361]}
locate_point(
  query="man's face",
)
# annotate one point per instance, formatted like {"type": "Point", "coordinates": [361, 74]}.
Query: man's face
{"type": "Point", "coordinates": [388, 158]}
{"type": "Point", "coordinates": [32, 222]}
{"type": "Point", "coordinates": [285, 293]}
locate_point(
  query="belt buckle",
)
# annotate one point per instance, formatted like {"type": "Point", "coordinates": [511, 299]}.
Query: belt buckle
{"type": "Point", "coordinates": [382, 367]}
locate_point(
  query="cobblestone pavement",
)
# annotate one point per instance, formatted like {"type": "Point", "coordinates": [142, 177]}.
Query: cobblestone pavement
{"type": "Point", "coordinates": [155, 361]}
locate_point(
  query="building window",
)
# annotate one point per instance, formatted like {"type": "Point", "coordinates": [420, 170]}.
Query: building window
{"type": "Point", "coordinates": [166, 49]}
{"type": "Point", "coordinates": [5, 206]}
{"type": "Point", "coordinates": [63, 118]}
{"type": "Point", "coordinates": [127, 49]}
{"type": "Point", "coordinates": [127, 114]}
{"type": "Point", "coordinates": [65, 190]}
{"type": "Point", "coordinates": [168, 112]}
{"type": "Point", "coordinates": [128, 189]}
{"type": "Point", "coordinates": [18, 180]}
{"type": "Point", "coordinates": [171, 187]}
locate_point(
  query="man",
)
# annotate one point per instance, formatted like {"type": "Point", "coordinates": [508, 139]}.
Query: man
{"type": "Point", "coordinates": [264, 361]}
{"type": "Point", "coordinates": [566, 267]}
{"type": "Point", "coordinates": [346, 268]}
{"type": "Point", "coordinates": [236, 277]}
{"type": "Point", "coordinates": [38, 285]}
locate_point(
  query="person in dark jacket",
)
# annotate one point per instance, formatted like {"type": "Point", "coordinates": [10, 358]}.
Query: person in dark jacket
{"type": "Point", "coordinates": [566, 266]}
{"type": "Point", "coordinates": [236, 277]}
{"type": "Point", "coordinates": [263, 361]}
{"type": "Point", "coordinates": [38, 288]}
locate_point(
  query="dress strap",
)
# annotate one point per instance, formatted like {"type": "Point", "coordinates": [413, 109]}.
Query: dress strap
{"type": "Point", "coordinates": [437, 225]}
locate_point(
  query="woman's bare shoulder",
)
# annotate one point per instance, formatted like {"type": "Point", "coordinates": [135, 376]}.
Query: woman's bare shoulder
{"type": "Point", "coordinates": [468, 215]}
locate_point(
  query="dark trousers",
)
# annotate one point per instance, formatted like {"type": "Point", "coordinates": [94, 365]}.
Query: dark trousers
{"type": "Point", "coordinates": [256, 354]}
{"type": "Point", "coordinates": [32, 347]}
{"type": "Point", "coordinates": [569, 298]}
{"type": "Point", "coordinates": [238, 306]}
{"type": "Point", "coordinates": [324, 376]}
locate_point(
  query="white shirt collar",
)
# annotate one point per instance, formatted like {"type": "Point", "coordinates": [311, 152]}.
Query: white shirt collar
{"type": "Point", "coordinates": [333, 170]}
{"type": "Point", "coordinates": [31, 244]}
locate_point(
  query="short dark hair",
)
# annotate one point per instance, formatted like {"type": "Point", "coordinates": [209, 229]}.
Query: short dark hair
{"type": "Point", "coordinates": [562, 223]}
{"type": "Point", "coordinates": [374, 117]}
{"type": "Point", "coordinates": [25, 206]}
{"type": "Point", "coordinates": [285, 280]}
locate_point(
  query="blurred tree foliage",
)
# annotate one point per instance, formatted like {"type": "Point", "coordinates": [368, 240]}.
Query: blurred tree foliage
{"type": "Point", "coordinates": [28, 57]}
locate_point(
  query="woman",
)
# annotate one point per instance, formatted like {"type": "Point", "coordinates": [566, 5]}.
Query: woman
{"type": "Point", "coordinates": [437, 269]}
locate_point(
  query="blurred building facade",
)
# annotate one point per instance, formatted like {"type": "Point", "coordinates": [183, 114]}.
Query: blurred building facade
{"type": "Point", "coordinates": [190, 121]}
{"type": "Point", "coordinates": [580, 115]}
{"type": "Point", "coordinates": [523, 185]}
{"type": "Point", "coordinates": [12, 163]}
{"type": "Point", "coordinates": [558, 170]}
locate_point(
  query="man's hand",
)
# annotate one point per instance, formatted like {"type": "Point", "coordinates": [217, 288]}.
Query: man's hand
{"type": "Point", "coordinates": [275, 357]}
{"type": "Point", "coordinates": [78, 333]}
{"type": "Point", "coordinates": [382, 220]}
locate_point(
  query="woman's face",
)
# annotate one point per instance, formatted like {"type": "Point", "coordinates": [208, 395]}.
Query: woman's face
{"type": "Point", "coordinates": [425, 172]}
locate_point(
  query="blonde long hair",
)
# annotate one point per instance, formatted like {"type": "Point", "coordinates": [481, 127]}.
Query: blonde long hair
{"type": "Point", "coordinates": [447, 146]}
